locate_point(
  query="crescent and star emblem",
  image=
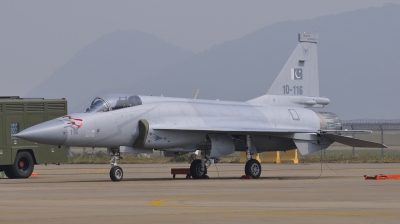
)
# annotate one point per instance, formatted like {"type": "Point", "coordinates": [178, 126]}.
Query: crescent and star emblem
{"type": "Point", "coordinates": [298, 74]}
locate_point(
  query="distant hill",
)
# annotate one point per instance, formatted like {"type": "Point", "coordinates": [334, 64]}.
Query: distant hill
{"type": "Point", "coordinates": [114, 60]}
{"type": "Point", "coordinates": [358, 57]}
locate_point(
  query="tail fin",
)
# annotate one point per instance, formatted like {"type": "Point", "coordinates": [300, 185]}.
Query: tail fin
{"type": "Point", "coordinates": [299, 76]}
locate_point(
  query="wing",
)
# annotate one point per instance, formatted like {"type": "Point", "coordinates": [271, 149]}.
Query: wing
{"type": "Point", "coordinates": [223, 125]}
{"type": "Point", "coordinates": [309, 138]}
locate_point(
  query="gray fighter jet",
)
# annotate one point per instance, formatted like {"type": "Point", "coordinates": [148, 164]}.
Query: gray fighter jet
{"type": "Point", "coordinates": [281, 120]}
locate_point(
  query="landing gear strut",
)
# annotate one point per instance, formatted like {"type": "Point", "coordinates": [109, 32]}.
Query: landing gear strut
{"type": "Point", "coordinates": [253, 167]}
{"type": "Point", "coordinates": [116, 173]}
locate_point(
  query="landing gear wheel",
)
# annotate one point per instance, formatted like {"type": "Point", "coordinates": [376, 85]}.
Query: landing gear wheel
{"type": "Point", "coordinates": [116, 173]}
{"type": "Point", "coordinates": [195, 170]}
{"type": "Point", "coordinates": [253, 168]}
{"type": "Point", "coordinates": [22, 167]}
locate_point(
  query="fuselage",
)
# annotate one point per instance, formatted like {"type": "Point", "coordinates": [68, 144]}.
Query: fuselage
{"type": "Point", "coordinates": [120, 127]}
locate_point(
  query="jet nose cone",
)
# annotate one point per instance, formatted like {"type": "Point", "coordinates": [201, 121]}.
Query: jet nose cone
{"type": "Point", "coordinates": [51, 132]}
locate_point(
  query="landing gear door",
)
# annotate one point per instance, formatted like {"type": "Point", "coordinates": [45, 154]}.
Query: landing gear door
{"type": "Point", "coordinates": [221, 145]}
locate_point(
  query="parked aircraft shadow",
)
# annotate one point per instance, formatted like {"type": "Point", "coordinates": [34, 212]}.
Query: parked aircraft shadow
{"type": "Point", "coordinates": [238, 178]}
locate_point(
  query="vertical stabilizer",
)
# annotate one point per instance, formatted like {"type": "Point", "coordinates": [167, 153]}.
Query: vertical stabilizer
{"type": "Point", "coordinates": [299, 76]}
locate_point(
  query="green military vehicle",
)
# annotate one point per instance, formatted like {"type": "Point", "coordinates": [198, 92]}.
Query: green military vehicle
{"type": "Point", "coordinates": [17, 156]}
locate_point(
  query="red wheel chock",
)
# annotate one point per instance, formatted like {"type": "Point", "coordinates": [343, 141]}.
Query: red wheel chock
{"type": "Point", "coordinates": [382, 177]}
{"type": "Point", "coordinates": [246, 177]}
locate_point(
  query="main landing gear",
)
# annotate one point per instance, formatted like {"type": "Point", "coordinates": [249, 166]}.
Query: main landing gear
{"type": "Point", "coordinates": [253, 167]}
{"type": "Point", "coordinates": [198, 168]}
{"type": "Point", "coordinates": [116, 173]}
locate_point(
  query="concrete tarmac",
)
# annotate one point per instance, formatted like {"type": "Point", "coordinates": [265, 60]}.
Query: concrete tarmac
{"type": "Point", "coordinates": [285, 193]}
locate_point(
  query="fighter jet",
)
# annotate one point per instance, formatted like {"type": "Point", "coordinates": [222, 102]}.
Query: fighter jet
{"type": "Point", "coordinates": [281, 120]}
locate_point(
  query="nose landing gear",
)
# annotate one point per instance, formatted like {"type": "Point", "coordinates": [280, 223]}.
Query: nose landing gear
{"type": "Point", "coordinates": [116, 173]}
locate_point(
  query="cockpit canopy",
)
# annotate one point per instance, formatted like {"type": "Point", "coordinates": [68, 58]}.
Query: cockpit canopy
{"type": "Point", "coordinates": [111, 102]}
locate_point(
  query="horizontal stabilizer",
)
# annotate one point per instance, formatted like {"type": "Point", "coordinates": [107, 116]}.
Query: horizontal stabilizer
{"type": "Point", "coordinates": [354, 142]}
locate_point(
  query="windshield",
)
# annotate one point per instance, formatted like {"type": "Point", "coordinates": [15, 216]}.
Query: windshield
{"type": "Point", "coordinates": [112, 102]}
{"type": "Point", "coordinates": [97, 105]}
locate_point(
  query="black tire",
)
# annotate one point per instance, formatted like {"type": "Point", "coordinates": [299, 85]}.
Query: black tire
{"type": "Point", "coordinates": [195, 170]}
{"type": "Point", "coordinates": [253, 168]}
{"type": "Point", "coordinates": [9, 172]}
{"type": "Point", "coordinates": [23, 165]}
{"type": "Point", "coordinates": [116, 173]}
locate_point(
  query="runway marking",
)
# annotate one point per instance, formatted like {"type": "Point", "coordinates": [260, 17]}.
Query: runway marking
{"type": "Point", "coordinates": [322, 212]}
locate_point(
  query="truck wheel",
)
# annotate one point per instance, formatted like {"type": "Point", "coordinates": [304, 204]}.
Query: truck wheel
{"type": "Point", "coordinates": [9, 172]}
{"type": "Point", "coordinates": [23, 165]}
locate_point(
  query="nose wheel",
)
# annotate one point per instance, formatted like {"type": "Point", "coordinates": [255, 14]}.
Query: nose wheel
{"type": "Point", "coordinates": [116, 173]}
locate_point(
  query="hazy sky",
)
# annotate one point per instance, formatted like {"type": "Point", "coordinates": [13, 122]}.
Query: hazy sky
{"type": "Point", "coordinates": [37, 37]}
